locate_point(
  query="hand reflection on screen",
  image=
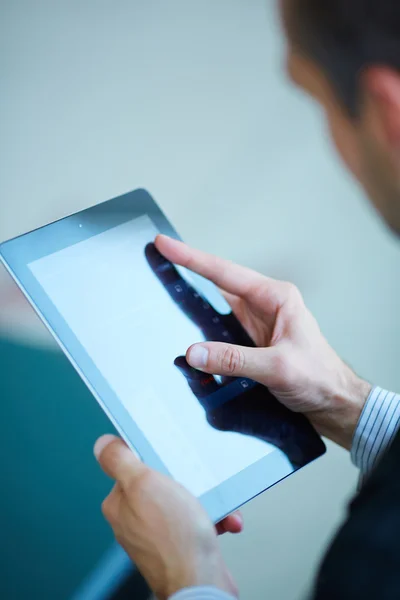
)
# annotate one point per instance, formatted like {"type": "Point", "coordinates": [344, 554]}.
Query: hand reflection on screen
{"type": "Point", "coordinates": [250, 413]}
{"type": "Point", "coordinates": [213, 325]}
{"type": "Point", "coordinates": [256, 412]}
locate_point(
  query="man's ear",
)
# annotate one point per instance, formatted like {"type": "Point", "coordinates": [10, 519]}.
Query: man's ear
{"type": "Point", "coordinates": [380, 88]}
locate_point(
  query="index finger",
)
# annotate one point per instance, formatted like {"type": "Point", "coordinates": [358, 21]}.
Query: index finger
{"type": "Point", "coordinates": [117, 460]}
{"type": "Point", "coordinates": [228, 276]}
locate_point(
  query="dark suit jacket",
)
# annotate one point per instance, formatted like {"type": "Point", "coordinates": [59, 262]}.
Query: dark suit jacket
{"type": "Point", "coordinates": [364, 559]}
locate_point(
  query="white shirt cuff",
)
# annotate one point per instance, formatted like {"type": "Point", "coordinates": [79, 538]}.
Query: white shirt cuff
{"type": "Point", "coordinates": [376, 429]}
{"type": "Point", "coordinates": [202, 593]}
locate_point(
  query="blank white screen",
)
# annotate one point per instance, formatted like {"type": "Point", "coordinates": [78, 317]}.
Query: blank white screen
{"type": "Point", "coordinates": [132, 330]}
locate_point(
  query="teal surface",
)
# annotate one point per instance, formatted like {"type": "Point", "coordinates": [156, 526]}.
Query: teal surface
{"type": "Point", "coordinates": [51, 527]}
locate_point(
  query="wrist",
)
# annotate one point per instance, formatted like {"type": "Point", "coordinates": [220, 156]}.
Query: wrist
{"type": "Point", "coordinates": [207, 570]}
{"type": "Point", "coordinates": [339, 422]}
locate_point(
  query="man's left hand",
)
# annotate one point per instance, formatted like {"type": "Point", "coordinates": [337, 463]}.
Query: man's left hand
{"type": "Point", "coordinates": [161, 526]}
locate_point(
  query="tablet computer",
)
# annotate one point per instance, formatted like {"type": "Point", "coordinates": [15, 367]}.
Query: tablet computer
{"type": "Point", "coordinates": [125, 316]}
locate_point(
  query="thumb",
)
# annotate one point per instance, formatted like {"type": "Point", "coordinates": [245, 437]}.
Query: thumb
{"type": "Point", "coordinates": [117, 460]}
{"type": "Point", "coordinates": [235, 361]}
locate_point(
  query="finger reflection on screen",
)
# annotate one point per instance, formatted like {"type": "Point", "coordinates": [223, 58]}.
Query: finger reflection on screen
{"type": "Point", "coordinates": [229, 407]}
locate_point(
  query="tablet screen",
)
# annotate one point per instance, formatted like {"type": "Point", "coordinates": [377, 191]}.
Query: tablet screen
{"type": "Point", "coordinates": [135, 314]}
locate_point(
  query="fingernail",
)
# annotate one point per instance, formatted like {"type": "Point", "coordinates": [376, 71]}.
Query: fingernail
{"type": "Point", "coordinates": [161, 236]}
{"type": "Point", "coordinates": [101, 443]}
{"type": "Point", "coordinates": [239, 519]}
{"type": "Point", "coordinates": [198, 357]}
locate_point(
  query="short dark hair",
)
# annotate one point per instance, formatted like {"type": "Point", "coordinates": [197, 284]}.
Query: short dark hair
{"type": "Point", "coordinates": [345, 36]}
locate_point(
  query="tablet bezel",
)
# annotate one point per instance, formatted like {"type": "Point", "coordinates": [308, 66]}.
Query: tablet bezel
{"type": "Point", "coordinates": [18, 253]}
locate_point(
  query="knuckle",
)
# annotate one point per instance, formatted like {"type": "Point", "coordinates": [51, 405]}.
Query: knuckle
{"type": "Point", "coordinates": [293, 293]}
{"type": "Point", "coordinates": [259, 292]}
{"type": "Point", "coordinates": [280, 367]}
{"type": "Point", "coordinates": [189, 263]}
{"type": "Point", "coordinates": [138, 484]}
{"type": "Point", "coordinates": [108, 510]}
{"type": "Point", "coordinates": [232, 360]}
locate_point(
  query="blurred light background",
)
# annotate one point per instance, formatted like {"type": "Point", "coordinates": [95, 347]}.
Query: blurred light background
{"type": "Point", "coordinates": [189, 100]}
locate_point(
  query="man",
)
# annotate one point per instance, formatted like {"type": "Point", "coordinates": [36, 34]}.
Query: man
{"type": "Point", "coordinates": [346, 54]}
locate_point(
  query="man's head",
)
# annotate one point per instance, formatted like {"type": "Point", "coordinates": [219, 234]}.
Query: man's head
{"type": "Point", "coordinates": [346, 54]}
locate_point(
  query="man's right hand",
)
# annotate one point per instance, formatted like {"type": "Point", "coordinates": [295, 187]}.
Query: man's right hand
{"type": "Point", "coordinates": [292, 358]}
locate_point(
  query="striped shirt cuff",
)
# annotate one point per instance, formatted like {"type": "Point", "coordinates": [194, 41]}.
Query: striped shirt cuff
{"type": "Point", "coordinates": [202, 593]}
{"type": "Point", "coordinates": [376, 429]}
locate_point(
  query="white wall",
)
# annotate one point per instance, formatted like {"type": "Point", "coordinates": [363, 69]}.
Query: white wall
{"type": "Point", "coordinates": [189, 100]}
